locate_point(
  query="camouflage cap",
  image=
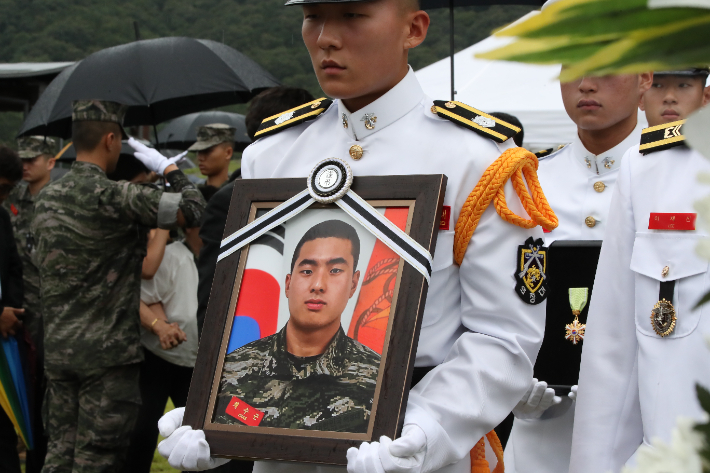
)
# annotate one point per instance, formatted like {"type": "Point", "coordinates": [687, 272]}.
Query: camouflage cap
{"type": "Point", "coordinates": [29, 147]}
{"type": "Point", "coordinates": [99, 111]}
{"type": "Point", "coordinates": [302, 2]}
{"type": "Point", "coordinates": [211, 135]}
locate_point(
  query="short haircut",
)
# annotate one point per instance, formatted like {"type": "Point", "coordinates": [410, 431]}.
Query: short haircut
{"type": "Point", "coordinates": [271, 102]}
{"type": "Point", "coordinates": [513, 120]}
{"type": "Point", "coordinates": [127, 168]}
{"type": "Point", "coordinates": [330, 229]}
{"type": "Point", "coordinates": [10, 164]}
{"type": "Point", "coordinates": [87, 135]}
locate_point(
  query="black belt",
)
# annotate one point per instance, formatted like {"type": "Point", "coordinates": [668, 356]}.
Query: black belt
{"type": "Point", "coordinates": [419, 373]}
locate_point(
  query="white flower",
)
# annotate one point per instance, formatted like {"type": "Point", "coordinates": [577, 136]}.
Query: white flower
{"type": "Point", "coordinates": [681, 456]}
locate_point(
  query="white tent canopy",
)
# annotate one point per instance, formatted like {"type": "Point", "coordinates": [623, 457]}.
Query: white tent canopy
{"type": "Point", "coordinates": [529, 92]}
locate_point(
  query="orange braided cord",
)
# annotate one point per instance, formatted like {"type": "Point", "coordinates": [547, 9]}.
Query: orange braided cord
{"type": "Point", "coordinates": [478, 458]}
{"type": "Point", "coordinates": [513, 164]}
{"type": "Point", "coordinates": [497, 447]}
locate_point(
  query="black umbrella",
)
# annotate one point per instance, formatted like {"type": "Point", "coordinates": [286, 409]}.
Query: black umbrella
{"type": "Point", "coordinates": [159, 79]}
{"type": "Point", "coordinates": [181, 133]}
{"type": "Point", "coordinates": [431, 4]}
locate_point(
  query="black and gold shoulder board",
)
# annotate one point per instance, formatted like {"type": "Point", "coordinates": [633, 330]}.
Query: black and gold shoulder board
{"type": "Point", "coordinates": [544, 152]}
{"type": "Point", "coordinates": [293, 117]}
{"type": "Point", "coordinates": [476, 120]}
{"type": "Point", "coordinates": [660, 137]}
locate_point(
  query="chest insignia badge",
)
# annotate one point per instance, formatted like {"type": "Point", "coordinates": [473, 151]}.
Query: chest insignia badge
{"type": "Point", "coordinates": [578, 296]}
{"type": "Point", "coordinates": [530, 274]}
{"type": "Point", "coordinates": [663, 318]}
{"type": "Point", "coordinates": [284, 117]}
{"type": "Point", "coordinates": [370, 119]}
{"type": "Point", "coordinates": [484, 121]}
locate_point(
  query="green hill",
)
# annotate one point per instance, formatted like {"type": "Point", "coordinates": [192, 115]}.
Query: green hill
{"type": "Point", "coordinates": [265, 30]}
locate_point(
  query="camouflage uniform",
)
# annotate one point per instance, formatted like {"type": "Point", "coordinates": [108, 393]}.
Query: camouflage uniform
{"type": "Point", "coordinates": [20, 205]}
{"type": "Point", "coordinates": [212, 135]}
{"type": "Point", "coordinates": [333, 391]}
{"type": "Point", "coordinates": [90, 234]}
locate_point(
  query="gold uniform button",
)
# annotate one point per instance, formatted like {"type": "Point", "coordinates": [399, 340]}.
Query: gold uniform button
{"type": "Point", "coordinates": [590, 221]}
{"type": "Point", "coordinates": [356, 152]}
{"type": "Point", "coordinates": [599, 186]}
{"type": "Point", "coordinates": [433, 109]}
{"type": "Point", "coordinates": [450, 105]}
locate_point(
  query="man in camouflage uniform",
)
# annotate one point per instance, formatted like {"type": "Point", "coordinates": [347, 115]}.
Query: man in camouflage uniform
{"type": "Point", "coordinates": [37, 155]}
{"type": "Point", "coordinates": [309, 375]}
{"type": "Point", "coordinates": [215, 147]}
{"type": "Point", "coordinates": [90, 234]}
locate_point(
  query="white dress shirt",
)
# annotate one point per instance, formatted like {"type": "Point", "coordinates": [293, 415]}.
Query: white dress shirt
{"type": "Point", "coordinates": [633, 383]}
{"type": "Point", "coordinates": [483, 338]}
{"type": "Point", "coordinates": [578, 185]}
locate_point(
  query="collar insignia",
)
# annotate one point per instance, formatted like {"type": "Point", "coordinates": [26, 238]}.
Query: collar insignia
{"type": "Point", "coordinates": [370, 119]}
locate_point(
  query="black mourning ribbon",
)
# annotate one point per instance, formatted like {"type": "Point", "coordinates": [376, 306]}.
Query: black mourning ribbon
{"type": "Point", "coordinates": [666, 291]}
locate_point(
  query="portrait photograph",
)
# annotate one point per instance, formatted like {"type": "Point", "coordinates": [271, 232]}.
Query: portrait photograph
{"type": "Point", "coordinates": [311, 328]}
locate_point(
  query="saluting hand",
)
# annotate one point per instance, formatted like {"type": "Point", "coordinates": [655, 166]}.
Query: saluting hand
{"type": "Point", "coordinates": [152, 158]}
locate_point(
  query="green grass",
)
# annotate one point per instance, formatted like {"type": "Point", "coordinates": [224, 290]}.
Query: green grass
{"type": "Point", "coordinates": [160, 464]}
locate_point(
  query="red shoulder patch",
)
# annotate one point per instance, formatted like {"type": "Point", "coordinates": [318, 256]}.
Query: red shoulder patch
{"type": "Point", "coordinates": [14, 210]}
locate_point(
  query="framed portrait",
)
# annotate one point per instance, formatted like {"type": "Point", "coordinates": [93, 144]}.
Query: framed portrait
{"type": "Point", "coordinates": [311, 330]}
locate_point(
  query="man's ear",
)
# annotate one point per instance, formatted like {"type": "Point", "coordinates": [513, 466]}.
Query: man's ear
{"type": "Point", "coordinates": [641, 104]}
{"type": "Point", "coordinates": [229, 152]}
{"type": "Point", "coordinates": [706, 95]}
{"type": "Point", "coordinates": [287, 285]}
{"type": "Point", "coordinates": [50, 163]}
{"type": "Point", "coordinates": [355, 281]}
{"type": "Point", "coordinates": [645, 82]}
{"type": "Point", "coordinates": [418, 26]}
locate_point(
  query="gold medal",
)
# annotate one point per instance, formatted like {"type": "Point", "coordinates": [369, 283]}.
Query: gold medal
{"type": "Point", "coordinates": [578, 296]}
{"type": "Point", "coordinates": [663, 318]}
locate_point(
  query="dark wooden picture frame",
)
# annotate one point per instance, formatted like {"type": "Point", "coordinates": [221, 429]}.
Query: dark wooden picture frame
{"type": "Point", "coordinates": [424, 195]}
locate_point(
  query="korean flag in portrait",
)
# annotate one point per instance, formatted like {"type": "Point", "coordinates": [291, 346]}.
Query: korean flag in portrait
{"type": "Point", "coordinates": [262, 307]}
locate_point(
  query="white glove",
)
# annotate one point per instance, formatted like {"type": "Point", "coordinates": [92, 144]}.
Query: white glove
{"type": "Point", "coordinates": [404, 455]}
{"type": "Point", "coordinates": [573, 393]}
{"type": "Point", "coordinates": [536, 401]}
{"type": "Point", "coordinates": [152, 158]}
{"type": "Point", "coordinates": [185, 449]}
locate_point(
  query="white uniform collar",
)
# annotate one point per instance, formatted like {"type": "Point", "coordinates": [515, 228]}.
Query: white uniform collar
{"type": "Point", "coordinates": [609, 160]}
{"type": "Point", "coordinates": [389, 108]}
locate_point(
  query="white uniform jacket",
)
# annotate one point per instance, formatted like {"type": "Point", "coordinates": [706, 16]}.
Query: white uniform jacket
{"type": "Point", "coordinates": [634, 383]}
{"type": "Point", "coordinates": [578, 185]}
{"type": "Point", "coordinates": [481, 335]}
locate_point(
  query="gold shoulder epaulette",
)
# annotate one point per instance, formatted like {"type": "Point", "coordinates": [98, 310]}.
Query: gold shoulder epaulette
{"type": "Point", "coordinates": [544, 152]}
{"type": "Point", "coordinates": [292, 117]}
{"type": "Point", "coordinates": [476, 120]}
{"type": "Point", "coordinates": [660, 137]}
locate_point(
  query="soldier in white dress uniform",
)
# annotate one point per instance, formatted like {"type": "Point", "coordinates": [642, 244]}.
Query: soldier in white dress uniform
{"type": "Point", "coordinates": [644, 348]}
{"type": "Point", "coordinates": [479, 336]}
{"type": "Point", "coordinates": [578, 180]}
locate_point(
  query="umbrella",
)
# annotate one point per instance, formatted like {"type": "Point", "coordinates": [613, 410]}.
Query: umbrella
{"type": "Point", "coordinates": [181, 133]}
{"type": "Point", "coordinates": [13, 390]}
{"type": "Point", "coordinates": [430, 4]}
{"type": "Point", "coordinates": [158, 79]}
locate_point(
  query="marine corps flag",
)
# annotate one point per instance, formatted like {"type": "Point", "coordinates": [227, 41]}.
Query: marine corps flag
{"type": "Point", "coordinates": [371, 317]}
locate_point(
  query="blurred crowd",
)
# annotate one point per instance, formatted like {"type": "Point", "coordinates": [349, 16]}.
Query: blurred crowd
{"type": "Point", "coordinates": [140, 263]}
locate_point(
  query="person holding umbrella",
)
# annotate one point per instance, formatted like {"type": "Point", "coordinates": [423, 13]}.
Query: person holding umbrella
{"type": "Point", "coordinates": [215, 148]}
{"type": "Point", "coordinates": [91, 234]}
{"type": "Point", "coordinates": [479, 337]}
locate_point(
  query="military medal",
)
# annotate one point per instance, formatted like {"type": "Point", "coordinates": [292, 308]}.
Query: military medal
{"type": "Point", "coordinates": [577, 300]}
{"type": "Point", "coordinates": [663, 317]}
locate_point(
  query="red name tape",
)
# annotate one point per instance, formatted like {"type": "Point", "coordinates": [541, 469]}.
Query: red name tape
{"type": "Point", "coordinates": [445, 218]}
{"type": "Point", "coordinates": [243, 412]}
{"type": "Point", "coordinates": [672, 221]}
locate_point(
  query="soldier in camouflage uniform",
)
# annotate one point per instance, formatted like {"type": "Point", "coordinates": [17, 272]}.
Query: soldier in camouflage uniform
{"type": "Point", "coordinates": [309, 375]}
{"type": "Point", "coordinates": [215, 148]}
{"type": "Point", "coordinates": [37, 155]}
{"type": "Point", "coordinates": [90, 234]}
